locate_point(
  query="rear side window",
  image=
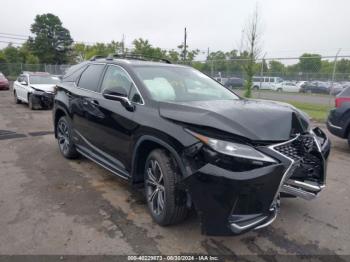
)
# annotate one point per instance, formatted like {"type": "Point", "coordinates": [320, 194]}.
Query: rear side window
{"type": "Point", "coordinates": [90, 78]}
{"type": "Point", "coordinates": [74, 73]}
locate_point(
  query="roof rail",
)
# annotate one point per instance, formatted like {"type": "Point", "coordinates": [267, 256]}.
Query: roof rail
{"type": "Point", "coordinates": [137, 57]}
{"type": "Point", "coordinates": [96, 57]}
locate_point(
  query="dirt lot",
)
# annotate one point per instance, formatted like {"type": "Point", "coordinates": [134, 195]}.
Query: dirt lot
{"type": "Point", "coordinates": [49, 205]}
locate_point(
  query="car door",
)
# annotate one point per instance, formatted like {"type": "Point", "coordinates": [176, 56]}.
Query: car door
{"type": "Point", "coordinates": [288, 87]}
{"type": "Point", "coordinates": [82, 100]}
{"type": "Point", "coordinates": [117, 126]}
{"type": "Point", "coordinates": [19, 87]}
{"type": "Point", "coordinates": [26, 88]}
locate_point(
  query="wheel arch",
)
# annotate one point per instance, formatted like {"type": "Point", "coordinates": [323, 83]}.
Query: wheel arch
{"type": "Point", "coordinates": [142, 149]}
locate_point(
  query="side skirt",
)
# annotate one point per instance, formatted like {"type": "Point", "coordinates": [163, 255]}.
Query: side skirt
{"type": "Point", "coordinates": [116, 171]}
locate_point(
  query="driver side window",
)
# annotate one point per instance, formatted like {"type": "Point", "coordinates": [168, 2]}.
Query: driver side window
{"type": "Point", "coordinates": [116, 77]}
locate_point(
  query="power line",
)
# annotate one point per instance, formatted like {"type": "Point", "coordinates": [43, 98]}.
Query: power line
{"type": "Point", "coordinates": [10, 37]}
{"type": "Point", "coordinates": [14, 35]}
{"type": "Point", "coordinates": [9, 42]}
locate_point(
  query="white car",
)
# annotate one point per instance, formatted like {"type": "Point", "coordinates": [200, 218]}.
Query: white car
{"type": "Point", "coordinates": [287, 86]}
{"type": "Point", "coordinates": [35, 89]}
{"type": "Point", "coordinates": [266, 82]}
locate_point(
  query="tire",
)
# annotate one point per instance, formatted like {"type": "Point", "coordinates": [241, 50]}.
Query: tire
{"type": "Point", "coordinates": [31, 102]}
{"type": "Point", "coordinates": [279, 90]}
{"type": "Point", "coordinates": [256, 88]}
{"type": "Point", "coordinates": [349, 138]}
{"type": "Point", "coordinates": [17, 101]}
{"type": "Point", "coordinates": [64, 138]}
{"type": "Point", "coordinates": [163, 199]}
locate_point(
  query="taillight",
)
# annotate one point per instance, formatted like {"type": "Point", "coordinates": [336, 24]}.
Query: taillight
{"type": "Point", "coordinates": [340, 100]}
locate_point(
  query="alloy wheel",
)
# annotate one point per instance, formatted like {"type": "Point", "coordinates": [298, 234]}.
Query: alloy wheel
{"type": "Point", "coordinates": [63, 136]}
{"type": "Point", "coordinates": [155, 187]}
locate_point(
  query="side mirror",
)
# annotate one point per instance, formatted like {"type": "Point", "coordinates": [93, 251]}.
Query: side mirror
{"type": "Point", "coordinates": [118, 94]}
{"type": "Point", "coordinates": [23, 83]}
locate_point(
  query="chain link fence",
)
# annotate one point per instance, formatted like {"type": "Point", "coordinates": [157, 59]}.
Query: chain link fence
{"type": "Point", "coordinates": [313, 74]}
{"type": "Point", "coordinates": [12, 70]}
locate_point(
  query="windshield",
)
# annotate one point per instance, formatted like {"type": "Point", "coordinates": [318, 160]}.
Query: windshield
{"type": "Point", "coordinates": [38, 80]}
{"type": "Point", "coordinates": [181, 84]}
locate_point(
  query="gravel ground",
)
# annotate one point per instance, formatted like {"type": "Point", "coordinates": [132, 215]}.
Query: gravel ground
{"type": "Point", "coordinates": [50, 205]}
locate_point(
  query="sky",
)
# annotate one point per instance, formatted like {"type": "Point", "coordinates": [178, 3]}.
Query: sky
{"type": "Point", "coordinates": [288, 28]}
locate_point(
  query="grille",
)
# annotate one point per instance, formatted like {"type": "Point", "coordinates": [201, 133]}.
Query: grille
{"type": "Point", "coordinates": [308, 160]}
{"type": "Point", "coordinates": [299, 148]}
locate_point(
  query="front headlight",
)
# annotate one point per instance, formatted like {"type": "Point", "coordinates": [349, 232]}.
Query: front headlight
{"type": "Point", "coordinates": [232, 149]}
{"type": "Point", "coordinates": [38, 92]}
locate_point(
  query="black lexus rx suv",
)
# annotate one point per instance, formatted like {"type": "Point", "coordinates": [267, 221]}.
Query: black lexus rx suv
{"type": "Point", "coordinates": [189, 141]}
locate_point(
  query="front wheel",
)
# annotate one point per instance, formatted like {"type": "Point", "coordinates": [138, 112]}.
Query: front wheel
{"type": "Point", "coordinates": [279, 90]}
{"type": "Point", "coordinates": [64, 137]}
{"type": "Point", "coordinates": [256, 88]}
{"type": "Point", "coordinates": [167, 204]}
{"type": "Point", "coordinates": [31, 103]}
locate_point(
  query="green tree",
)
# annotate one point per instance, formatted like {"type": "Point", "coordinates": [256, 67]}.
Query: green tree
{"type": "Point", "coordinates": [310, 63]}
{"type": "Point", "coordinates": [26, 55]}
{"type": "Point", "coordinates": [276, 67]}
{"type": "Point", "coordinates": [252, 39]}
{"type": "Point", "coordinates": [11, 54]}
{"type": "Point", "coordinates": [2, 57]}
{"type": "Point", "coordinates": [343, 66]}
{"type": "Point", "coordinates": [52, 42]}
{"type": "Point", "coordinates": [143, 47]}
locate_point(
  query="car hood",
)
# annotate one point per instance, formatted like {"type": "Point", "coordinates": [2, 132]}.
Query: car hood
{"type": "Point", "coordinates": [44, 87]}
{"type": "Point", "coordinates": [257, 120]}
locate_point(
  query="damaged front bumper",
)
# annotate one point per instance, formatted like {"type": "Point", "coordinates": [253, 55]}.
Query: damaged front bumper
{"type": "Point", "coordinates": [233, 201]}
{"type": "Point", "coordinates": [43, 99]}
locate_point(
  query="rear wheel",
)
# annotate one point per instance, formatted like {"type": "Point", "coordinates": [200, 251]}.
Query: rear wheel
{"type": "Point", "coordinates": [167, 205]}
{"type": "Point", "coordinates": [64, 137]}
{"type": "Point", "coordinates": [279, 90]}
{"type": "Point", "coordinates": [17, 101]}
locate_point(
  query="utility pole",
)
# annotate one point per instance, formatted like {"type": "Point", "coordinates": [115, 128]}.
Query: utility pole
{"type": "Point", "coordinates": [333, 75]}
{"type": "Point", "coordinates": [185, 44]}
{"type": "Point", "coordinates": [261, 72]}
{"type": "Point", "coordinates": [241, 46]}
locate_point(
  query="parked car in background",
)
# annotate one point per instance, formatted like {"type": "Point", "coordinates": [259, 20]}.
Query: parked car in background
{"type": "Point", "coordinates": [189, 141]}
{"type": "Point", "coordinates": [4, 83]}
{"type": "Point", "coordinates": [300, 83]}
{"type": "Point", "coordinates": [339, 118]}
{"type": "Point", "coordinates": [221, 80]}
{"type": "Point", "coordinates": [336, 88]}
{"type": "Point", "coordinates": [266, 82]}
{"type": "Point", "coordinates": [315, 87]}
{"type": "Point", "coordinates": [234, 82]}
{"type": "Point", "coordinates": [286, 86]}
{"type": "Point", "coordinates": [36, 89]}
